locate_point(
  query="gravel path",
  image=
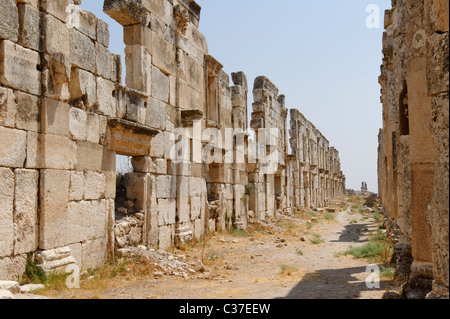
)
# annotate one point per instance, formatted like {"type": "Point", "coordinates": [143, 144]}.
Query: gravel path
{"type": "Point", "coordinates": [252, 268]}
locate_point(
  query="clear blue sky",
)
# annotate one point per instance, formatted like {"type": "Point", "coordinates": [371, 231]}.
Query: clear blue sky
{"type": "Point", "coordinates": [320, 54]}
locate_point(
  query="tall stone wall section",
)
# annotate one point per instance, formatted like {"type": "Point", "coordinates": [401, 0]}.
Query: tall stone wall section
{"type": "Point", "coordinates": [65, 114]}
{"type": "Point", "coordinates": [413, 152]}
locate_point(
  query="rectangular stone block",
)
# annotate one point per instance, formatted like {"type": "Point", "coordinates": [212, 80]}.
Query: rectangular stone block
{"type": "Point", "coordinates": [82, 50]}
{"type": "Point", "coordinates": [33, 151]}
{"type": "Point", "coordinates": [25, 211]}
{"type": "Point", "coordinates": [8, 107]}
{"type": "Point", "coordinates": [110, 189]}
{"type": "Point", "coordinates": [28, 115]}
{"type": "Point", "coordinates": [76, 190]}
{"type": "Point", "coordinates": [165, 238]}
{"type": "Point", "coordinates": [55, 36]}
{"type": "Point", "coordinates": [57, 8]}
{"type": "Point", "coordinates": [60, 152]}
{"type": "Point", "coordinates": [86, 220]}
{"type": "Point", "coordinates": [167, 209]}
{"type": "Point", "coordinates": [94, 157]}
{"type": "Point", "coordinates": [103, 33]}
{"type": "Point", "coordinates": [83, 86]}
{"type": "Point", "coordinates": [103, 61]}
{"type": "Point", "coordinates": [13, 149]}
{"type": "Point", "coordinates": [160, 85]}
{"type": "Point", "coordinates": [107, 103]}
{"type": "Point", "coordinates": [166, 187]}
{"type": "Point", "coordinates": [198, 229]}
{"type": "Point", "coordinates": [55, 117]}
{"type": "Point", "coordinates": [93, 128]}
{"type": "Point", "coordinates": [18, 68]}
{"type": "Point", "coordinates": [77, 124]}
{"type": "Point", "coordinates": [9, 20]}
{"type": "Point", "coordinates": [94, 253]}
{"type": "Point", "coordinates": [6, 212]}
{"type": "Point", "coordinates": [29, 26]}
{"type": "Point", "coordinates": [196, 207]}
{"type": "Point", "coordinates": [138, 187]}
{"type": "Point", "coordinates": [54, 200]}
{"type": "Point", "coordinates": [82, 20]}
{"type": "Point", "coordinates": [163, 55]}
{"type": "Point", "coordinates": [94, 185]}
{"type": "Point", "coordinates": [156, 114]}
{"type": "Point", "coordinates": [138, 63]}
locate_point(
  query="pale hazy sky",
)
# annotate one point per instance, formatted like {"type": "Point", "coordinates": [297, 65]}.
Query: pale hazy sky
{"type": "Point", "coordinates": [319, 53]}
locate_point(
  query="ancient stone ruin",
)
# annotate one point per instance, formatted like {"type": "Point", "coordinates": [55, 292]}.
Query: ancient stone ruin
{"type": "Point", "coordinates": [65, 114]}
{"type": "Point", "coordinates": [414, 143]}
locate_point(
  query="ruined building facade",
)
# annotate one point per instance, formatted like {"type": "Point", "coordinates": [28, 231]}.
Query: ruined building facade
{"type": "Point", "coordinates": [414, 142]}
{"type": "Point", "coordinates": [65, 114]}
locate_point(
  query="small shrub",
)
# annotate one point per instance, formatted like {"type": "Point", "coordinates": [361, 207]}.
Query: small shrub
{"type": "Point", "coordinates": [239, 233]}
{"type": "Point", "coordinates": [328, 216]}
{"type": "Point", "coordinates": [213, 255]}
{"type": "Point", "coordinates": [316, 240]}
{"type": "Point", "coordinates": [299, 252]}
{"type": "Point", "coordinates": [288, 270]}
{"type": "Point", "coordinates": [33, 273]}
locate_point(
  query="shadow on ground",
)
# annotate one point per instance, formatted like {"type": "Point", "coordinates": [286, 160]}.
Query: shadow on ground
{"type": "Point", "coordinates": [346, 283]}
{"type": "Point", "coordinates": [355, 233]}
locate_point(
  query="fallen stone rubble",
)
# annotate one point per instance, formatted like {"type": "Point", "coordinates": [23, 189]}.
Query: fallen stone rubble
{"type": "Point", "coordinates": [168, 264]}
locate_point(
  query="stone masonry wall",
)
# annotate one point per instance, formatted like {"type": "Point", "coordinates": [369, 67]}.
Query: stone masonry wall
{"type": "Point", "coordinates": [65, 114]}
{"type": "Point", "coordinates": [413, 152]}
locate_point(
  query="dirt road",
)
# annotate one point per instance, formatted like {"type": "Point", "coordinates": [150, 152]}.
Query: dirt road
{"type": "Point", "coordinates": [278, 262]}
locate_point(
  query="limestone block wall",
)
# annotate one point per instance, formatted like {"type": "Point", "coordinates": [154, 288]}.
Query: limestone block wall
{"type": "Point", "coordinates": [319, 177]}
{"type": "Point", "coordinates": [65, 114]}
{"type": "Point", "coordinates": [413, 152]}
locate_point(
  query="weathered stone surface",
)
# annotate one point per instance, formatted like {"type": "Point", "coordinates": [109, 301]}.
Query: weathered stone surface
{"type": "Point", "coordinates": [160, 85]}
{"type": "Point", "coordinates": [55, 260]}
{"type": "Point", "coordinates": [29, 26]}
{"type": "Point", "coordinates": [83, 87]}
{"type": "Point", "coordinates": [12, 267]}
{"type": "Point", "coordinates": [166, 187]}
{"type": "Point", "coordinates": [57, 8]}
{"type": "Point", "coordinates": [55, 117]}
{"type": "Point", "coordinates": [54, 200]}
{"type": "Point", "coordinates": [13, 150]}
{"type": "Point", "coordinates": [77, 124]}
{"type": "Point", "coordinates": [76, 186]}
{"type": "Point", "coordinates": [8, 107]}
{"type": "Point", "coordinates": [107, 104]}
{"type": "Point", "coordinates": [103, 33]}
{"type": "Point", "coordinates": [6, 211]}
{"type": "Point", "coordinates": [9, 20]}
{"type": "Point", "coordinates": [166, 212]}
{"type": "Point", "coordinates": [27, 289]}
{"type": "Point", "coordinates": [94, 253]}
{"type": "Point", "coordinates": [56, 36]}
{"type": "Point", "coordinates": [94, 185]}
{"type": "Point", "coordinates": [18, 67]}
{"type": "Point", "coordinates": [60, 152]}
{"type": "Point", "coordinates": [28, 115]}
{"type": "Point", "coordinates": [86, 219]}
{"type": "Point", "coordinates": [6, 294]}
{"type": "Point", "coordinates": [26, 211]}
{"type": "Point", "coordinates": [82, 51]}
{"type": "Point", "coordinates": [12, 286]}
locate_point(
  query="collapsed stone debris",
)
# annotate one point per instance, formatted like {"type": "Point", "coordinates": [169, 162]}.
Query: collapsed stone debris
{"type": "Point", "coordinates": [65, 114]}
{"type": "Point", "coordinates": [413, 144]}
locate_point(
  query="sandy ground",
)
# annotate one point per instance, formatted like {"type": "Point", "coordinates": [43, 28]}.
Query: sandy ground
{"type": "Point", "coordinates": [251, 267]}
{"type": "Point", "coordinates": [277, 261]}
